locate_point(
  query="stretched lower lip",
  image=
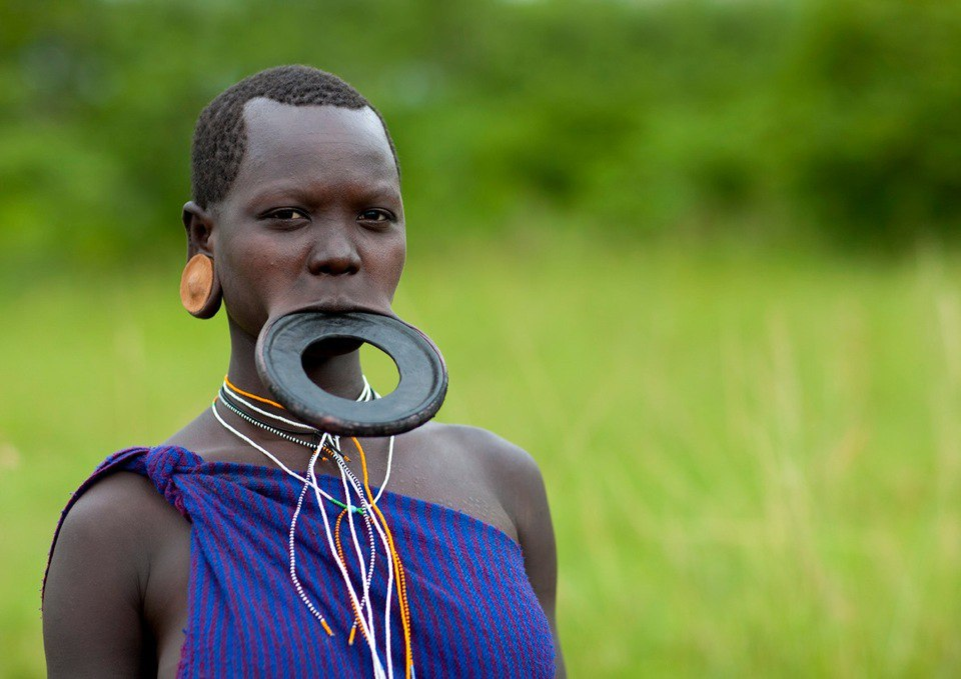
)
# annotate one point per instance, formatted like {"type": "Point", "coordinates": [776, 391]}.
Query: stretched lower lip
{"type": "Point", "coordinates": [338, 307]}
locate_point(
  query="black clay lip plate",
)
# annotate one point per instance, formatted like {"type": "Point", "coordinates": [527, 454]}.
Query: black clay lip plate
{"type": "Point", "coordinates": [417, 398]}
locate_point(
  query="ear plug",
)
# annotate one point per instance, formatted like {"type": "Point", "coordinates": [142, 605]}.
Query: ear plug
{"type": "Point", "coordinates": [199, 288]}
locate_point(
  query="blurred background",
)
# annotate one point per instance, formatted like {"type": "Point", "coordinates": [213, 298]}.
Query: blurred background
{"type": "Point", "coordinates": [699, 257]}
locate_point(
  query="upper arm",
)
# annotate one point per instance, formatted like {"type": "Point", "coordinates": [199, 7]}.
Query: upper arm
{"type": "Point", "coordinates": [92, 600]}
{"type": "Point", "coordinates": [525, 498]}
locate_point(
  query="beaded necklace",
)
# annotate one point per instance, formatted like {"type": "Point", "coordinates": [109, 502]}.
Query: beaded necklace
{"type": "Point", "coordinates": [373, 521]}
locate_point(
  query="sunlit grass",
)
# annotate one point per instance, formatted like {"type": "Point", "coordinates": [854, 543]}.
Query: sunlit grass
{"type": "Point", "coordinates": [754, 463]}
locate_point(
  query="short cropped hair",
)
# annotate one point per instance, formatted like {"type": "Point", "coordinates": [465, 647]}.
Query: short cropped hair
{"type": "Point", "coordinates": [220, 137]}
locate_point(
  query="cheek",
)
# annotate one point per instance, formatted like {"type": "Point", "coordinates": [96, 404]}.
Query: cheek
{"type": "Point", "coordinates": [249, 272]}
{"type": "Point", "coordinates": [391, 265]}
{"type": "Point", "coordinates": [254, 262]}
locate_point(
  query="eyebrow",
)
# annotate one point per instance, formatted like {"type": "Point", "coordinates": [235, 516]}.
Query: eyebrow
{"type": "Point", "coordinates": [298, 192]}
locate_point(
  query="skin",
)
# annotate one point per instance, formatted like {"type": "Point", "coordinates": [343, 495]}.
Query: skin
{"type": "Point", "coordinates": [314, 217]}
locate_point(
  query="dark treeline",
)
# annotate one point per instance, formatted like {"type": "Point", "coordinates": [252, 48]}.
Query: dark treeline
{"type": "Point", "coordinates": [827, 120]}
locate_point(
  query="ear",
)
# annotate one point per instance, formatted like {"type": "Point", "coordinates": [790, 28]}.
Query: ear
{"type": "Point", "coordinates": [199, 224]}
{"type": "Point", "coordinates": [200, 289]}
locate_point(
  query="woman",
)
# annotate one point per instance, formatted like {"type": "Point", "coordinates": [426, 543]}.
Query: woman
{"type": "Point", "coordinates": [228, 550]}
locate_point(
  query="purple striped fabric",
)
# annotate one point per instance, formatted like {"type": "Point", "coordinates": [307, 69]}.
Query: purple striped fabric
{"type": "Point", "coordinates": [473, 611]}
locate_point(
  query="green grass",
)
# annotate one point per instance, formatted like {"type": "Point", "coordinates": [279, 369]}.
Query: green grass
{"type": "Point", "coordinates": [754, 462]}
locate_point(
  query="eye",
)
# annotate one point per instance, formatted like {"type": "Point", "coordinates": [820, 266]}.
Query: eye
{"type": "Point", "coordinates": [377, 214]}
{"type": "Point", "coordinates": [287, 214]}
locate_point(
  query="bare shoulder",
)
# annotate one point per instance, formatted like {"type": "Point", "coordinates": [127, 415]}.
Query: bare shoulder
{"type": "Point", "coordinates": [108, 532]}
{"type": "Point", "coordinates": [513, 473]}
{"type": "Point", "coordinates": [118, 510]}
{"type": "Point", "coordinates": [485, 445]}
{"type": "Point", "coordinates": [95, 582]}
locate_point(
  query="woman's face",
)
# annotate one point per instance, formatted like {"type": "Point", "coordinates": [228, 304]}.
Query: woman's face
{"type": "Point", "coordinates": [314, 217]}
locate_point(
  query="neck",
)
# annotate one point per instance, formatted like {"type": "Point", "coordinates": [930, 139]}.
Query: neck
{"type": "Point", "coordinates": [338, 373]}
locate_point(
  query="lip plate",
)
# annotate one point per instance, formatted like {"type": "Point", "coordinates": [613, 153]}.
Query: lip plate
{"type": "Point", "coordinates": [417, 398]}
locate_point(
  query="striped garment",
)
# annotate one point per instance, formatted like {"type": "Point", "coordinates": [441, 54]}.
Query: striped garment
{"type": "Point", "coordinates": [473, 611]}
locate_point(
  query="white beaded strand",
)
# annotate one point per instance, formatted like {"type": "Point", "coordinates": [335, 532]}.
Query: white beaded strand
{"type": "Point", "coordinates": [368, 508]}
{"type": "Point", "coordinates": [350, 482]}
{"type": "Point", "coordinates": [365, 601]}
{"type": "Point", "coordinates": [371, 642]}
{"type": "Point", "coordinates": [366, 394]}
{"type": "Point", "coordinates": [369, 517]}
{"type": "Point", "coordinates": [293, 559]}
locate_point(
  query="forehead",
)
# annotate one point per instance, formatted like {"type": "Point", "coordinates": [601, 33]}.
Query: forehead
{"type": "Point", "coordinates": [313, 143]}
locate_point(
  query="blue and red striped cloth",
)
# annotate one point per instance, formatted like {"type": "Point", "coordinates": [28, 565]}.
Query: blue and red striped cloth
{"type": "Point", "coordinates": [473, 611]}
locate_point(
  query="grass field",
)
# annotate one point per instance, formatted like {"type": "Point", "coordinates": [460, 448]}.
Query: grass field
{"type": "Point", "coordinates": [754, 462]}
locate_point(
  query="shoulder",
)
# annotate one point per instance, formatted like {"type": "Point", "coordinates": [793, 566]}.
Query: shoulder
{"type": "Point", "coordinates": [512, 471]}
{"type": "Point", "coordinates": [112, 521]}
{"type": "Point", "coordinates": [120, 501]}
{"type": "Point", "coordinates": [95, 583]}
{"type": "Point", "coordinates": [487, 448]}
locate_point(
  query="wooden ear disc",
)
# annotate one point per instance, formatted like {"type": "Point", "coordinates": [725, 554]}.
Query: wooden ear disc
{"type": "Point", "coordinates": [417, 398]}
{"type": "Point", "coordinates": [199, 290]}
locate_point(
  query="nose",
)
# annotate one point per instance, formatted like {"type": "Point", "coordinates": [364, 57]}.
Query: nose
{"type": "Point", "coordinates": [334, 254]}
